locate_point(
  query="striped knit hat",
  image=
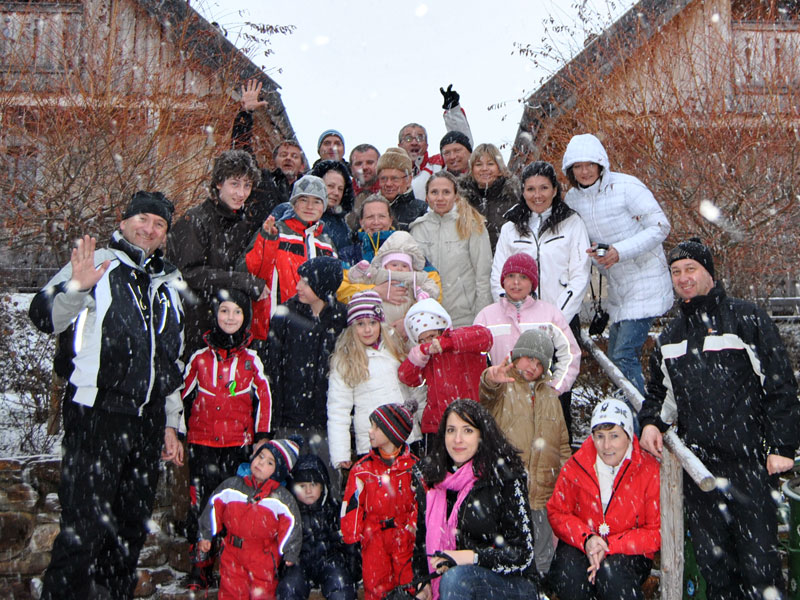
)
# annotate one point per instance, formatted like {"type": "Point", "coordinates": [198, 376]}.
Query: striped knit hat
{"type": "Point", "coordinates": [365, 305]}
{"type": "Point", "coordinates": [395, 420]}
{"type": "Point", "coordinates": [285, 453]}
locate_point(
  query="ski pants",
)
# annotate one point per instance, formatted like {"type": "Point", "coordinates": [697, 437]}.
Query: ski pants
{"type": "Point", "coordinates": [333, 580]}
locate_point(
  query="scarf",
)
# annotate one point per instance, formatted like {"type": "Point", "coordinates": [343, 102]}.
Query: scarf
{"type": "Point", "coordinates": [440, 533]}
{"type": "Point", "coordinates": [607, 474]}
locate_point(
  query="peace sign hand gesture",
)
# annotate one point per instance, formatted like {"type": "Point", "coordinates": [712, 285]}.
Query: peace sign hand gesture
{"type": "Point", "coordinates": [500, 373]}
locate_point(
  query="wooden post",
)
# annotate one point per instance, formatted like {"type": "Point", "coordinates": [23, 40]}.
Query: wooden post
{"type": "Point", "coordinates": [671, 527]}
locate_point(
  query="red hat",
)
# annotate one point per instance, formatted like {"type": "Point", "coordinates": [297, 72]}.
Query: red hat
{"type": "Point", "coordinates": [521, 263]}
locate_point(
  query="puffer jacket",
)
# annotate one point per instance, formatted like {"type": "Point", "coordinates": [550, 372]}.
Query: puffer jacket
{"type": "Point", "coordinates": [530, 416]}
{"type": "Point", "coordinates": [564, 266]}
{"type": "Point", "coordinates": [507, 323]}
{"type": "Point", "coordinates": [492, 202]}
{"type": "Point", "coordinates": [620, 211]}
{"type": "Point", "coordinates": [221, 384]}
{"type": "Point", "coordinates": [721, 372]}
{"type": "Point", "coordinates": [382, 387]}
{"type": "Point", "coordinates": [406, 208]}
{"type": "Point", "coordinates": [463, 264]}
{"type": "Point", "coordinates": [633, 516]}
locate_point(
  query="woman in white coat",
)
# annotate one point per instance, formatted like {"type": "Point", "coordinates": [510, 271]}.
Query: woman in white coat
{"type": "Point", "coordinates": [546, 229]}
{"type": "Point", "coordinates": [453, 237]}
{"type": "Point", "coordinates": [622, 213]}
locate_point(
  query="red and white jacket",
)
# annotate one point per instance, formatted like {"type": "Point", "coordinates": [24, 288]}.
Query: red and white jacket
{"type": "Point", "coordinates": [232, 399]}
{"type": "Point", "coordinates": [275, 259]}
{"type": "Point", "coordinates": [454, 373]}
{"type": "Point", "coordinates": [633, 515]}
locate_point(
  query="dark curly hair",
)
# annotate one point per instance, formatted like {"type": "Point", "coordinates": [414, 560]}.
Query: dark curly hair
{"type": "Point", "coordinates": [520, 214]}
{"type": "Point", "coordinates": [233, 163]}
{"type": "Point", "coordinates": [323, 166]}
{"type": "Point", "coordinates": [494, 457]}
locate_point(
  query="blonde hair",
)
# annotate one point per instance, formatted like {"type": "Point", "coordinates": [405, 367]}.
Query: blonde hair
{"type": "Point", "coordinates": [349, 356]}
{"type": "Point", "coordinates": [469, 220]}
{"type": "Point", "coordinates": [493, 153]}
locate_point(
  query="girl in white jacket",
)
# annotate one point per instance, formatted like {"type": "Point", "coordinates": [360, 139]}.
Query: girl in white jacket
{"type": "Point", "coordinates": [363, 376]}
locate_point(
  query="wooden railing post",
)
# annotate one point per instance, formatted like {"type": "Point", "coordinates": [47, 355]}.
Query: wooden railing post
{"type": "Point", "coordinates": [671, 527]}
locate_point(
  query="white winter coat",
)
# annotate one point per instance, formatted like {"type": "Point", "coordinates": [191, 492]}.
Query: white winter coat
{"type": "Point", "coordinates": [382, 387]}
{"type": "Point", "coordinates": [564, 266]}
{"type": "Point", "coordinates": [464, 265]}
{"type": "Point", "coordinates": [620, 211]}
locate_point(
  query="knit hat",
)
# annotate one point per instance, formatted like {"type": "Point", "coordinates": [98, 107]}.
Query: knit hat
{"type": "Point", "coordinates": [455, 137]}
{"type": "Point", "coordinates": [395, 420]}
{"type": "Point", "coordinates": [395, 158]}
{"type": "Point", "coordinates": [534, 343]}
{"type": "Point", "coordinates": [310, 185]}
{"type": "Point", "coordinates": [426, 315]}
{"type": "Point", "coordinates": [521, 263]}
{"type": "Point", "coordinates": [615, 412]}
{"type": "Point", "coordinates": [323, 274]}
{"type": "Point", "coordinates": [285, 453]}
{"type": "Point", "coordinates": [154, 203]}
{"type": "Point", "coordinates": [695, 249]}
{"type": "Point", "coordinates": [398, 256]}
{"type": "Point", "coordinates": [328, 132]}
{"type": "Point", "coordinates": [365, 305]}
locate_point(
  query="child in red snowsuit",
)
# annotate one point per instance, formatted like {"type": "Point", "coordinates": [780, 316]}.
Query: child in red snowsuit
{"type": "Point", "coordinates": [261, 521]}
{"type": "Point", "coordinates": [228, 400]}
{"type": "Point", "coordinates": [450, 361]}
{"type": "Point", "coordinates": [379, 508]}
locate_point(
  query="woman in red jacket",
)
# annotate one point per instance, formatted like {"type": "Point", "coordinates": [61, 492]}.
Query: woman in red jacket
{"type": "Point", "coordinates": [605, 511]}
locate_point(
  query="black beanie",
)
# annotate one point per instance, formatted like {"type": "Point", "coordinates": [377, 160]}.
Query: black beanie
{"type": "Point", "coordinates": [154, 203]}
{"type": "Point", "coordinates": [455, 137]}
{"type": "Point", "coordinates": [695, 249]}
{"type": "Point", "coordinates": [324, 276]}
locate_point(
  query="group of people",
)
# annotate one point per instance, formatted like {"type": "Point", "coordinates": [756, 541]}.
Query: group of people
{"type": "Point", "coordinates": [379, 353]}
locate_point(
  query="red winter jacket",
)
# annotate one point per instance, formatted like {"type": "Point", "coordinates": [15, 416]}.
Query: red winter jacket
{"type": "Point", "coordinates": [376, 492]}
{"type": "Point", "coordinates": [633, 515]}
{"type": "Point", "coordinates": [275, 259]}
{"type": "Point", "coordinates": [222, 412]}
{"type": "Point", "coordinates": [454, 373]}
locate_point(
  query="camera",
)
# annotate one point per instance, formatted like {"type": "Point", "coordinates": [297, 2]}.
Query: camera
{"type": "Point", "coordinates": [601, 249]}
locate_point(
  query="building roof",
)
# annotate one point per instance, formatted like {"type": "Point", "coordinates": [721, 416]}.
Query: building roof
{"type": "Point", "coordinates": [603, 54]}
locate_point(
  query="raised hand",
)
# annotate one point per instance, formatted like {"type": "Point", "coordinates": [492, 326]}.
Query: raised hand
{"type": "Point", "coordinates": [269, 226]}
{"type": "Point", "coordinates": [451, 97]}
{"type": "Point", "coordinates": [250, 91]}
{"type": "Point", "coordinates": [84, 273]}
{"type": "Point", "coordinates": [500, 373]}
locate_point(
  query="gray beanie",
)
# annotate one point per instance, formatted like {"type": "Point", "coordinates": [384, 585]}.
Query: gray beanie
{"type": "Point", "coordinates": [534, 343]}
{"type": "Point", "coordinates": [310, 185]}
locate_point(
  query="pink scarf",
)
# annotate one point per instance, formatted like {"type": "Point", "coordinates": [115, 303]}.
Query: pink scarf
{"type": "Point", "coordinates": [440, 532]}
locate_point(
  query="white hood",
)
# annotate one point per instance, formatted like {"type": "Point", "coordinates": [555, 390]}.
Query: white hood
{"type": "Point", "coordinates": [585, 148]}
{"type": "Point", "coordinates": [428, 306]}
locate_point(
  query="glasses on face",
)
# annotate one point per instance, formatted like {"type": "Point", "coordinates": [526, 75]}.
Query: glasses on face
{"type": "Point", "coordinates": [391, 178]}
{"type": "Point", "coordinates": [413, 138]}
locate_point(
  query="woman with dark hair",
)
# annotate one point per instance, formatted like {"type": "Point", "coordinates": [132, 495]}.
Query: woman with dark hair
{"type": "Point", "coordinates": [473, 506]}
{"type": "Point", "coordinates": [544, 227]}
{"type": "Point", "coordinates": [489, 187]}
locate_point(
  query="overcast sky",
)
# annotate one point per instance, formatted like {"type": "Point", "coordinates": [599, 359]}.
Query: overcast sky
{"type": "Point", "coordinates": [368, 67]}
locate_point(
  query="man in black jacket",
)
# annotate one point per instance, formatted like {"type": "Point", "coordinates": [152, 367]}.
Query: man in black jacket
{"type": "Point", "coordinates": [119, 320]}
{"type": "Point", "coordinates": [720, 372]}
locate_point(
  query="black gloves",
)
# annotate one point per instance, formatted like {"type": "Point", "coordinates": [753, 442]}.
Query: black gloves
{"type": "Point", "coordinates": [450, 97]}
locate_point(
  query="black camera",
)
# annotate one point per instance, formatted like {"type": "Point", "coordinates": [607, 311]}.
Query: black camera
{"type": "Point", "coordinates": [601, 249]}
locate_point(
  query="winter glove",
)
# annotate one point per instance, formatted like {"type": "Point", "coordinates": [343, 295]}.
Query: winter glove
{"type": "Point", "coordinates": [418, 357]}
{"type": "Point", "coordinates": [451, 97]}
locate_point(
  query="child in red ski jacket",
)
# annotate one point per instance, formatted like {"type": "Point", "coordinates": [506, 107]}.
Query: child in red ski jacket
{"type": "Point", "coordinates": [379, 508]}
{"type": "Point", "coordinates": [450, 361]}
{"type": "Point", "coordinates": [261, 522]}
{"type": "Point", "coordinates": [228, 400]}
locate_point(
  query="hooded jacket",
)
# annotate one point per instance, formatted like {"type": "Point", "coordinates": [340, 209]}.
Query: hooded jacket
{"type": "Point", "coordinates": [530, 416]}
{"type": "Point", "coordinates": [120, 342]}
{"type": "Point", "coordinates": [492, 202]}
{"type": "Point", "coordinates": [507, 323]}
{"type": "Point", "coordinates": [205, 244]}
{"type": "Point", "coordinates": [720, 371]}
{"type": "Point", "coordinates": [564, 266]}
{"type": "Point", "coordinates": [633, 515]}
{"type": "Point", "coordinates": [454, 373]}
{"type": "Point", "coordinates": [463, 264]}
{"type": "Point", "coordinates": [619, 210]}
